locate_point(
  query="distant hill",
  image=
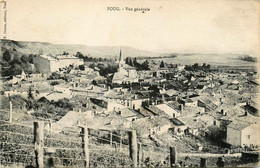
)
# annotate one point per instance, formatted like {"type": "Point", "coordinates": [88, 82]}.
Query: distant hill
{"type": "Point", "coordinates": [24, 47]}
{"type": "Point", "coordinates": [247, 58]}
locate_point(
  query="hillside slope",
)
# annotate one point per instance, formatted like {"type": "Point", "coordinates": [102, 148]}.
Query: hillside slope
{"type": "Point", "coordinates": [49, 48]}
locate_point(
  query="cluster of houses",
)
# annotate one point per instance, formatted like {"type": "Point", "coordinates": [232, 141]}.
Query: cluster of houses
{"type": "Point", "coordinates": [161, 100]}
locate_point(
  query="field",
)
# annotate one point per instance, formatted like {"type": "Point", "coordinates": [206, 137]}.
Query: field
{"type": "Point", "coordinates": [213, 59]}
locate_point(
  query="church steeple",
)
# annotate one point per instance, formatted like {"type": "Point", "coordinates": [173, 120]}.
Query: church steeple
{"type": "Point", "coordinates": [121, 59]}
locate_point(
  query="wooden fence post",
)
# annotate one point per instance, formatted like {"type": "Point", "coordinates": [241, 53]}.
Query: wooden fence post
{"type": "Point", "coordinates": [84, 131]}
{"type": "Point", "coordinates": [120, 145]}
{"type": "Point", "coordinates": [173, 156]}
{"type": "Point", "coordinates": [50, 125]}
{"type": "Point", "coordinates": [139, 154]}
{"type": "Point", "coordinates": [111, 138]}
{"type": "Point", "coordinates": [133, 147]}
{"type": "Point", "coordinates": [38, 143]}
{"type": "Point", "coordinates": [11, 112]}
{"type": "Point", "coordinates": [203, 162]}
{"type": "Point", "coordinates": [115, 145]}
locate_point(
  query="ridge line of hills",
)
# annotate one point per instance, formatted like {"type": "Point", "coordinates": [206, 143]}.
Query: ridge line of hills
{"type": "Point", "coordinates": [31, 47]}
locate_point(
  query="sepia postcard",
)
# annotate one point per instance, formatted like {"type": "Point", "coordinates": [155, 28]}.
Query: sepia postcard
{"type": "Point", "coordinates": [129, 83]}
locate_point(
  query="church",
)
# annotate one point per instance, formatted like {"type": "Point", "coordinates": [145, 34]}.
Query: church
{"type": "Point", "coordinates": [125, 72]}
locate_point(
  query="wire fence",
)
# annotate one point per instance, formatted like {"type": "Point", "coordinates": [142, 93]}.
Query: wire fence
{"type": "Point", "coordinates": [16, 144]}
{"type": "Point", "coordinates": [66, 148]}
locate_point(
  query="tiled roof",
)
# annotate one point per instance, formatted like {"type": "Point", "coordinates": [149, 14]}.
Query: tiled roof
{"type": "Point", "coordinates": [55, 96]}
{"type": "Point", "coordinates": [177, 122]}
{"type": "Point", "coordinates": [171, 92]}
{"type": "Point", "coordinates": [239, 125]}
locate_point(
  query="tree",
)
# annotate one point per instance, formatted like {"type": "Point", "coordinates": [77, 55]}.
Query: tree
{"type": "Point", "coordinates": [54, 83]}
{"type": "Point", "coordinates": [55, 75]}
{"type": "Point", "coordinates": [15, 60]}
{"type": "Point", "coordinates": [204, 65]}
{"type": "Point", "coordinates": [79, 55]}
{"type": "Point", "coordinates": [94, 82]}
{"type": "Point", "coordinates": [37, 92]}
{"type": "Point", "coordinates": [30, 102]}
{"type": "Point", "coordinates": [15, 69]}
{"type": "Point", "coordinates": [82, 67]}
{"type": "Point", "coordinates": [134, 61]}
{"type": "Point", "coordinates": [154, 88]}
{"type": "Point", "coordinates": [145, 65]}
{"type": "Point", "coordinates": [24, 59]}
{"type": "Point", "coordinates": [127, 60]}
{"type": "Point", "coordinates": [162, 65]}
{"type": "Point", "coordinates": [6, 56]}
{"type": "Point", "coordinates": [130, 62]}
{"type": "Point", "coordinates": [189, 68]}
{"type": "Point", "coordinates": [30, 94]}
{"type": "Point", "coordinates": [30, 58]}
{"type": "Point", "coordinates": [65, 53]}
{"type": "Point", "coordinates": [64, 103]}
{"type": "Point", "coordinates": [215, 132]}
{"type": "Point", "coordinates": [196, 66]}
{"type": "Point", "coordinates": [92, 66]}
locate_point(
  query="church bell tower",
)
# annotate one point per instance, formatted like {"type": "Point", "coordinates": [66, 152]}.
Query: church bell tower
{"type": "Point", "coordinates": [121, 61]}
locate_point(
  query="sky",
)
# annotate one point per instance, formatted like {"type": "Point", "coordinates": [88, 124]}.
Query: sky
{"type": "Point", "coordinates": [181, 26]}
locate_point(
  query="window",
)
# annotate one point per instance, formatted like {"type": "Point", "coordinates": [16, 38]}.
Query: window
{"type": "Point", "coordinates": [248, 136]}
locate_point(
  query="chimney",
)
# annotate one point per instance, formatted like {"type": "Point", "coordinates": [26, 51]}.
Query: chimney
{"type": "Point", "coordinates": [108, 88]}
{"type": "Point", "coordinates": [135, 97]}
{"type": "Point", "coordinates": [181, 107]}
{"type": "Point", "coordinates": [79, 110]}
{"type": "Point", "coordinates": [222, 111]}
{"type": "Point", "coordinates": [163, 97]}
